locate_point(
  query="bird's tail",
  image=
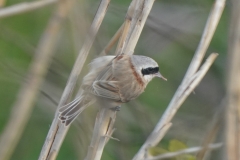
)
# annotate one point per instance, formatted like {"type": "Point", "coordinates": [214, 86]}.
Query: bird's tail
{"type": "Point", "coordinates": [70, 111]}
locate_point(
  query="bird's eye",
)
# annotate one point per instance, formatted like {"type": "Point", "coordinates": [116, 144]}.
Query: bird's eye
{"type": "Point", "coordinates": [149, 70]}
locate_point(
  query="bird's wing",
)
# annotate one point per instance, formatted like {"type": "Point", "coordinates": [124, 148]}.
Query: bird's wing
{"type": "Point", "coordinates": [105, 86]}
{"type": "Point", "coordinates": [106, 74]}
{"type": "Point", "coordinates": [100, 68]}
{"type": "Point", "coordinates": [106, 89]}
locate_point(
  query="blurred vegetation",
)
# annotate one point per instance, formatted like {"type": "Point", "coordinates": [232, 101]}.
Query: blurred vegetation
{"type": "Point", "coordinates": [170, 36]}
{"type": "Point", "coordinates": [173, 146]}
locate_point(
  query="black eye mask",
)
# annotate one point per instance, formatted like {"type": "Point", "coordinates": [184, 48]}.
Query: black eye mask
{"type": "Point", "coordinates": [150, 70]}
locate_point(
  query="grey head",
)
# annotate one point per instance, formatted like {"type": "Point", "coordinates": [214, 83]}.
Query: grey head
{"type": "Point", "coordinates": [146, 67]}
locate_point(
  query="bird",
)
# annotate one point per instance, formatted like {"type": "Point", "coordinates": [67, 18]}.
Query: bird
{"type": "Point", "coordinates": [111, 81]}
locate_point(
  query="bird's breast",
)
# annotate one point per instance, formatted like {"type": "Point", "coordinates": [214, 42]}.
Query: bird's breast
{"type": "Point", "coordinates": [130, 83]}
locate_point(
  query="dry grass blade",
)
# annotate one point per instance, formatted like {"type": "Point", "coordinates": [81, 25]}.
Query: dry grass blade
{"type": "Point", "coordinates": [103, 129]}
{"type": "Point", "coordinates": [140, 18]}
{"type": "Point", "coordinates": [24, 7]}
{"type": "Point", "coordinates": [126, 27]}
{"type": "Point", "coordinates": [191, 79]}
{"type": "Point", "coordinates": [233, 87]}
{"type": "Point", "coordinates": [135, 19]}
{"type": "Point", "coordinates": [27, 95]}
{"type": "Point", "coordinates": [58, 131]}
{"type": "Point", "coordinates": [185, 151]}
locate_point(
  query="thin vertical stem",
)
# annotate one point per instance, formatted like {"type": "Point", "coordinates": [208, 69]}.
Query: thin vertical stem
{"type": "Point", "coordinates": [102, 131]}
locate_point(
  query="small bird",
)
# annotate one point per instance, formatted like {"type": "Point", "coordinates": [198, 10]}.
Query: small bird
{"type": "Point", "coordinates": [111, 81]}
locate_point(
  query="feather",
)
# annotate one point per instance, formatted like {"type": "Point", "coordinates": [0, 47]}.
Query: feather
{"type": "Point", "coordinates": [70, 105]}
{"type": "Point", "coordinates": [71, 110]}
{"type": "Point", "coordinates": [100, 62]}
{"type": "Point", "coordinates": [106, 89]}
{"type": "Point", "coordinates": [99, 69]}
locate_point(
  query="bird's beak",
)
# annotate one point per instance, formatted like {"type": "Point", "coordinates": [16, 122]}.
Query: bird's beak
{"type": "Point", "coordinates": [160, 76]}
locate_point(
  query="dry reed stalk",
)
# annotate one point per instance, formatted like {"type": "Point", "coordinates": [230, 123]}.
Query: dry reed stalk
{"type": "Point", "coordinates": [233, 87]}
{"type": "Point", "coordinates": [23, 106]}
{"type": "Point", "coordinates": [126, 27]}
{"type": "Point", "coordinates": [192, 76]}
{"type": "Point", "coordinates": [135, 19]}
{"type": "Point", "coordinates": [103, 130]}
{"type": "Point", "coordinates": [58, 131]}
{"type": "Point", "coordinates": [24, 7]}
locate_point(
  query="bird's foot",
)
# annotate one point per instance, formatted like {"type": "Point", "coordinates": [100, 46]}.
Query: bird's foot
{"type": "Point", "coordinates": [117, 108]}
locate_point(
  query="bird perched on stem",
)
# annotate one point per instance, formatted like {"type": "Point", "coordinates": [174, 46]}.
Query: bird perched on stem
{"type": "Point", "coordinates": [111, 81]}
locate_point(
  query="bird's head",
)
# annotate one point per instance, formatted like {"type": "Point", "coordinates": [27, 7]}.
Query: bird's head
{"type": "Point", "coordinates": [146, 67]}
